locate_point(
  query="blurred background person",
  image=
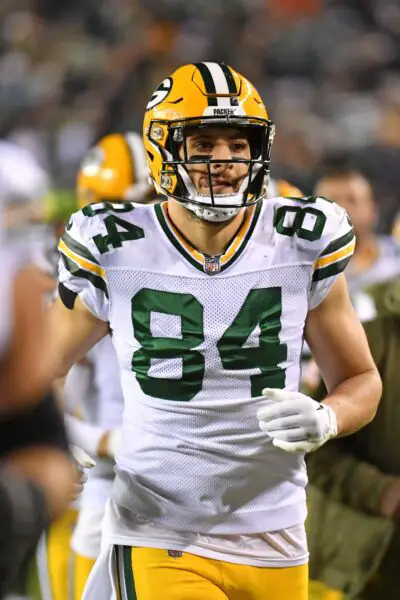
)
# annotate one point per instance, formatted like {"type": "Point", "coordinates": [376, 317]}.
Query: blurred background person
{"type": "Point", "coordinates": [37, 476]}
{"type": "Point", "coordinates": [110, 171]}
{"type": "Point", "coordinates": [377, 257]}
{"type": "Point", "coordinates": [115, 170]}
{"type": "Point", "coordinates": [32, 213]}
{"type": "Point", "coordinates": [354, 492]}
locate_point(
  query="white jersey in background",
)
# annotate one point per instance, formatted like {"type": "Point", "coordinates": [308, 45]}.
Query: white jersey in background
{"type": "Point", "coordinates": [197, 339]}
{"type": "Point", "coordinates": [101, 405]}
{"type": "Point", "coordinates": [22, 186]}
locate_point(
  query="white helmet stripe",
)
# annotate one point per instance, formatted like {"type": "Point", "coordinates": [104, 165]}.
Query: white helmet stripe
{"type": "Point", "coordinates": [220, 82]}
{"type": "Point", "coordinates": [218, 76]}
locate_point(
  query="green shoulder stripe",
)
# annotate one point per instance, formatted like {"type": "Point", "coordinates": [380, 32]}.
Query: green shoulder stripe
{"type": "Point", "coordinates": [75, 270]}
{"type": "Point", "coordinates": [339, 243]}
{"type": "Point", "coordinates": [331, 270]}
{"type": "Point", "coordinates": [78, 248]}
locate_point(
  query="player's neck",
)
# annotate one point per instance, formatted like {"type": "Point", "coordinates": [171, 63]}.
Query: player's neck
{"type": "Point", "coordinates": [208, 238]}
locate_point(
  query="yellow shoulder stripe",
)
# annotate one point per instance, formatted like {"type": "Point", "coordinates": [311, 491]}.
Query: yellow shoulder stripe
{"type": "Point", "coordinates": [82, 262]}
{"type": "Point", "coordinates": [338, 255]}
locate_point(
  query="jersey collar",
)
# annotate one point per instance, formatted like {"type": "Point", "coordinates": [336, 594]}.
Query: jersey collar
{"type": "Point", "coordinates": [209, 264]}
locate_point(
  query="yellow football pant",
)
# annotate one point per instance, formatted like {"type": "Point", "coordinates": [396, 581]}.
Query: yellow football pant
{"type": "Point", "coordinates": [53, 558]}
{"type": "Point", "coordinates": [154, 574]}
{"type": "Point", "coordinates": [82, 567]}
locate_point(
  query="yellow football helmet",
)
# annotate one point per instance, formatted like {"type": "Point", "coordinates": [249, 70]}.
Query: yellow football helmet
{"type": "Point", "coordinates": [204, 95]}
{"type": "Point", "coordinates": [280, 187]}
{"type": "Point", "coordinates": [115, 170]}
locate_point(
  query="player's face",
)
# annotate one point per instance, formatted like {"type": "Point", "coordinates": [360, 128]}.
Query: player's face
{"type": "Point", "coordinates": [223, 144]}
{"type": "Point", "coordinates": [354, 194]}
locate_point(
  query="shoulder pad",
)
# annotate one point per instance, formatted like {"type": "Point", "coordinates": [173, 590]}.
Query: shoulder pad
{"type": "Point", "coordinates": [314, 223]}
{"type": "Point", "coordinates": [102, 228]}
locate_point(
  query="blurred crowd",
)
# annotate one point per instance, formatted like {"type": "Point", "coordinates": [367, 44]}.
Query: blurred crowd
{"type": "Point", "coordinates": [74, 70]}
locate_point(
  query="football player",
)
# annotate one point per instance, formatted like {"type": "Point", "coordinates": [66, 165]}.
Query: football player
{"type": "Point", "coordinates": [36, 474]}
{"type": "Point", "coordinates": [98, 433]}
{"type": "Point", "coordinates": [209, 297]}
{"type": "Point", "coordinates": [115, 170]}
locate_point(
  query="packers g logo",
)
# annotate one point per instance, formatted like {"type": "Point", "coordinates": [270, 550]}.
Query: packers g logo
{"type": "Point", "coordinates": [160, 93]}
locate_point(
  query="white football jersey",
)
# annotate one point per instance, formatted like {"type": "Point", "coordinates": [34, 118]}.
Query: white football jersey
{"type": "Point", "coordinates": [105, 402]}
{"type": "Point", "coordinates": [102, 405]}
{"type": "Point", "coordinates": [197, 339]}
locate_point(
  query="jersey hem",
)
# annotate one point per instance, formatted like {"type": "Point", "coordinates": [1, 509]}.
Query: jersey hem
{"type": "Point", "coordinates": [198, 550]}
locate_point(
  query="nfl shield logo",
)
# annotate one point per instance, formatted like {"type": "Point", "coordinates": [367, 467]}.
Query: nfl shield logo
{"type": "Point", "coordinates": [211, 265]}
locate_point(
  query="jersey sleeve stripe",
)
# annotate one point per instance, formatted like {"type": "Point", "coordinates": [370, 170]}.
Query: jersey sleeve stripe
{"type": "Point", "coordinates": [75, 270]}
{"type": "Point", "coordinates": [332, 269]}
{"type": "Point", "coordinates": [335, 256]}
{"type": "Point", "coordinates": [339, 243]}
{"type": "Point", "coordinates": [84, 264]}
{"type": "Point", "coordinates": [78, 248]}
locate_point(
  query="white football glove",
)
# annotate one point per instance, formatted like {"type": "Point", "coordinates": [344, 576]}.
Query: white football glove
{"type": "Point", "coordinates": [295, 422]}
{"type": "Point", "coordinates": [82, 458]}
{"type": "Point", "coordinates": [82, 461]}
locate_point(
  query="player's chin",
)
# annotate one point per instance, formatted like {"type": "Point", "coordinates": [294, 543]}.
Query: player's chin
{"type": "Point", "coordinates": [218, 190]}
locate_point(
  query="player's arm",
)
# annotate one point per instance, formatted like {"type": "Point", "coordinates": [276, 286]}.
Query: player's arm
{"type": "Point", "coordinates": [79, 317]}
{"type": "Point", "coordinates": [340, 348]}
{"type": "Point", "coordinates": [25, 368]}
{"type": "Point", "coordinates": [74, 331]}
{"type": "Point", "coordinates": [294, 421]}
{"type": "Point", "coordinates": [297, 423]}
{"type": "Point", "coordinates": [96, 440]}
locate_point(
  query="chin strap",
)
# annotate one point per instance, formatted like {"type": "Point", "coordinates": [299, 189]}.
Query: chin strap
{"type": "Point", "coordinates": [212, 215]}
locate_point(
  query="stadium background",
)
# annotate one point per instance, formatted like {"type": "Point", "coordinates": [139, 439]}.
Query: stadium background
{"type": "Point", "coordinates": [74, 70]}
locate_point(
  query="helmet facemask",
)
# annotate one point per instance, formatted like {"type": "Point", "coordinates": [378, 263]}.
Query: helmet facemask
{"type": "Point", "coordinates": [177, 164]}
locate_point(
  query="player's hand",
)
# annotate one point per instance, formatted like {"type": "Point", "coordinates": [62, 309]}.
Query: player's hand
{"type": "Point", "coordinates": [82, 461]}
{"type": "Point", "coordinates": [295, 422]}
